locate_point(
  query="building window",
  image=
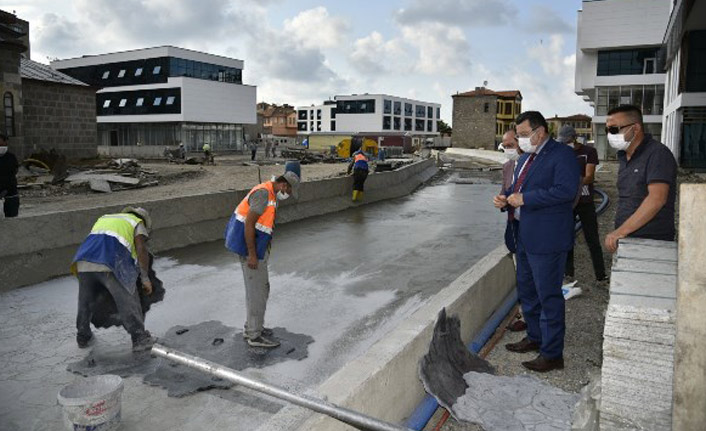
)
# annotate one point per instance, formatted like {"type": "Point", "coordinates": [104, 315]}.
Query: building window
{"type": "Point", "coordinates": [301, 126]}
{"type": "Point", "coordinates": [430, 112]}
{"type": "Point", "coordinates": [386, 122]}
{"type": "Point", "coordinates": [396, 123]}
{"type": "Point", "coordinates": [430, 126]}
{"type": "Point", "coordinates": [333, 112]}
{"type": "Point", "coordinates": [138, 71]}
{"type": "Point", "coordinates": [170, 100]}
{"type": "Point", "coordinates": [408, 110]}
{"type": "Point", "coordinates": [333, 126]}
{"type": "Point", "coordinates": [106, 103]}
{"type": "Point", "coordinates": [302, 115]}
{"type": "Point", "coordinates": [318, 114]}
{"type": "Point", "coordinates": [627, 62]}
{"type": "Point", "coordinates": [9, 105]}
{"type": "Point", "coordinates": [140, 101]}
{"type": "Point", "coordinates": [419, 125]}
{"type": "Point", "coordinates": [121, 73]}
{"type": "Point", "coordinates": [696, 62]}
{"type": "Point", "coordinates": [318, 126]}
{"type": "Point", "coordinates": [438, 113]}
{"type": "Point", "coordinates": [486, 107]}
{"type": "Point", "coordinates": [122, 103]}
{"type": "Point", "coordinates": [649, 98]}
{"type": "Point", "coordinates": [356, 106]}
{"type": "Point", "coordinates": [398, 108]}
{"type": "Point", "coordinates": [420, 110]}
{"type": "Point", "coordinates": [156, 70]}
{"type": "Point", "coordinates": [387, 107]}
{"type": "Point", "coordinates": [508, 108]}
{"type": "Point", "coordinates": [408, 124]}
{"type": "Point", "coordinates": [157, 101]}
{"type": "Point", "coordinates": [106, 74]}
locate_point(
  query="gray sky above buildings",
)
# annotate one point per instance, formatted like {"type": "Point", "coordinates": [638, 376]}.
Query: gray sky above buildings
{"type": "Point", "coordinates": [305, 51]}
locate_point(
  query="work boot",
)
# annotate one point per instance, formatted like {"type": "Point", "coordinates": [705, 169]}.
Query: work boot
{"type": "Point", "coordinates": [143, 342]}
{"type": "Point", "coordinates": [262, 342]}
{"type": "Point", "coordinates": [84, 341]}
{"type": "Point", "coordinates": [523, 346]}
{"type": "Point", "coordinates": [267, 332]}
{"type": "Point", "coordinates": [355, 195]}
{"type": "Point", "coordinates": [360, 196]}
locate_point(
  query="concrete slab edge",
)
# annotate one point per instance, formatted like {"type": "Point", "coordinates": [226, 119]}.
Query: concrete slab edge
{"type": "Point", "coordinates": [384, 381]}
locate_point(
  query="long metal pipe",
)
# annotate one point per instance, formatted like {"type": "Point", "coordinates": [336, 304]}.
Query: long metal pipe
{"type": "Point", "coordinates": [350, 417]}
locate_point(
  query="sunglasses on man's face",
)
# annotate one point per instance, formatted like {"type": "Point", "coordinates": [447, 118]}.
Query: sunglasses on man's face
{"type": "Point", "coordinates": [614, 130]}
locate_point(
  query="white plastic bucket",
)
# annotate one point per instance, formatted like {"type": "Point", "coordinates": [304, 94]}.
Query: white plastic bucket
{"type": "Point", "coordinates": [92, 404]}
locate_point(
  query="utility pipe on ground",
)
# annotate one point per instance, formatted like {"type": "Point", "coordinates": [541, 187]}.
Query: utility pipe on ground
{"type": "Point", "coordinates": [350, 417]}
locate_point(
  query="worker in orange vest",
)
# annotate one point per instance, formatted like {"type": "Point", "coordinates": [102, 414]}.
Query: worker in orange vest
{"type": "Point", "coordinates": [359, 166]}
{"type": "Point", "coordinates": [249, 235]}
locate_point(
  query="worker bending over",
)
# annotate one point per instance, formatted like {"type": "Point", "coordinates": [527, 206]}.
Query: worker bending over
{"type": "Point", "coordinates": [249, 235]}
{"type": "Point", "coordinates": [112, 257]}
{"type": "Point", "coordinates": [359, 166]}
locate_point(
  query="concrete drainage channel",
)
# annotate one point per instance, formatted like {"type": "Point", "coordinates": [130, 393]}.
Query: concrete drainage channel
{"type": "Point", "coordinates": [41, 247]}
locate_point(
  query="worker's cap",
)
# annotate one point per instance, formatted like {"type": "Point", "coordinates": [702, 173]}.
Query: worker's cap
{"type": "Point", "coordinates": [141, 213]}
{"type": "Point", "coordinates": [293, 180]}
{"type": "Point", "coordinates": [566, 134]}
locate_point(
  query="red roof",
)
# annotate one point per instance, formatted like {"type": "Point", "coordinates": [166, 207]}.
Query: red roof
{"type": "Point", "coordinates": [482, 91]}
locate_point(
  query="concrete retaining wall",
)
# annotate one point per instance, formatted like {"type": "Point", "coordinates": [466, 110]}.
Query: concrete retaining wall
{"type": "Point", "coordinates": [384, 382]}
{"type": "Point", "coordinates": [37, 248]}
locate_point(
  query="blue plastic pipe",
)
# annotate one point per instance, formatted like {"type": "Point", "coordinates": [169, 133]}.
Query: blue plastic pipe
{"type": "Point", "coordinates": [425, 410]}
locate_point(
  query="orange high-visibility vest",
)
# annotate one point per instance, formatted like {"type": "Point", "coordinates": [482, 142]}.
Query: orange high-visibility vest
{"type": "Point", "coordinates": [264, 227]}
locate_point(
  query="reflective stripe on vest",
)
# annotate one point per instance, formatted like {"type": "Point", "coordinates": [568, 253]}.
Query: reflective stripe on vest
{"type": "Point", "coordinates": [360, 161]}
{"type": "Point", "coordinates": [119, 226]}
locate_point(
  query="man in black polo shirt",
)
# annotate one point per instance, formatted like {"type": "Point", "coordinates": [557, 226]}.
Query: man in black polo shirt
{"type": "Point", "coordinates": [646, 180]}
{"type": "Point", "coordinates": [8, 179]}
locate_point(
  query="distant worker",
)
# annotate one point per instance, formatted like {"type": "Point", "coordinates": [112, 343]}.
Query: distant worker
{"type": "Point", "coordinates": [249, 235]}
{"type": "Point", "coordinates": [585, 209]}
{"type": "Point", "coordinates": [274, 149]}
{"type": "Point", "coordinates": [647, 179]}
{"type": "Point", "coordinates": [182, 151]}
{"type": "Point", "coordinates": [359, 166]}
{"type": "Point", "coordinates": [207, 155]}
{"type": "Point", "coordinates": [112, 257]}
{"type": "Point", "coordinates": [253, 149]}
{"type": "Point", "coordinates": [268, 148]}
{"type": "Point", "coordinates": [8, 180]}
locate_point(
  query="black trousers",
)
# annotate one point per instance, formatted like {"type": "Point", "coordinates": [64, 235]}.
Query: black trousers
{"type": "Point", "coordinates": [586, 212]}
{"type": "Point", "coordinates": [11, 207]}
{"type": "Point", "coordinates": [359, 177]}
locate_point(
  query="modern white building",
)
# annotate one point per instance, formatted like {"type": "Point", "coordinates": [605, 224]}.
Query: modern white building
{"type": "Point", "coordinates": [618, 61]}
{"type": "Point", "coordinates": [684, 128]}
{"type": "Point", "coordinates": [166, 95]}
{"type": "Point", "coordinates": [375, 114]}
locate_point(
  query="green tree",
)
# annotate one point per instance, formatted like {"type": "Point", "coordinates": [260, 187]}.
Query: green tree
{"type": "Point", "coordinates": [442, 127]}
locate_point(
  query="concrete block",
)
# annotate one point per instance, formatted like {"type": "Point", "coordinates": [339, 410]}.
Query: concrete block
{"type": "Point", "coordinates": [649, 250]}
{"type": "Point", "coordinates": [645, 266]}
{"type": "Point", "coordinates": [643, 284]}
{"type": "Point", "coordinates": [690, 355]}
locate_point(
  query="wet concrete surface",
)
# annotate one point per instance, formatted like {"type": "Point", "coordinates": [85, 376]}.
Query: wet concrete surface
{"type": "Point", "coordinates": [344, 279]}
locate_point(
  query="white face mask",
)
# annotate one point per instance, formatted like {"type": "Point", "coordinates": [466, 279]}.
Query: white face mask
{"type": "Point", "coordinates": [511, 154]}
{"type": "Point", "coordinates": [3, 150]}
{"type": "Point", "coordinates": [618, 141]}
{"type": "Point", "coordinates": [526, 144]}
{"type": "Point", "coordinates": [282, 195]}
{"type": "Point", "coordinates": [571, 145]}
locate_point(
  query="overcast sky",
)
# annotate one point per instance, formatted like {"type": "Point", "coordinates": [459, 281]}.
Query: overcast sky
{"type": "Point", "coordinates": [303, 51]}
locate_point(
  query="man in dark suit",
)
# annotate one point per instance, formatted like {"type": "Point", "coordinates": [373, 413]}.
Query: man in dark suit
{"type": "Point", "coordinates": [541, 199]}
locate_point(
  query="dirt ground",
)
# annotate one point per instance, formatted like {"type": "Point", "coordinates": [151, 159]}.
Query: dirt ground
{"type": "Point", "coordinates": [229, 173]}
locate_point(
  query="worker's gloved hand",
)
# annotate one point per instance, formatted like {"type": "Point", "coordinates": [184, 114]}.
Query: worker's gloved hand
{"type": "Point", "coordinates": [147, 287]}
{"type": "Point", "coordinates": [252, 261]}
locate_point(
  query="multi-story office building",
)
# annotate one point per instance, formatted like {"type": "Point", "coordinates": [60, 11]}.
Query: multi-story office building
{"type": "Point", "coordinates": [684, 128]}
{"type": "Point", "coordinates": [370, 113]}
{"type": "Point", "coordinates": [166, 95]}
{"type": "Point", "coordinates": [482, 116]}
{"type": "Point", "coordinates": [618, 61]}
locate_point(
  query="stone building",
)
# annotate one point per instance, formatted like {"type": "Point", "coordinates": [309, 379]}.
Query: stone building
{"type": "Point", "coordinates": [42, 109]}
{"type": "Point", "coordinates": [481, 116]}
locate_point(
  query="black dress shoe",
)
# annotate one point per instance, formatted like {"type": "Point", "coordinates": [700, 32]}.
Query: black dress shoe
{"type": "Point", "coordinates": [517, 326]}
{"type": "Point", "coordinates": [542, 364]}
{"type": "Point", "coordinates": [523, 346]}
